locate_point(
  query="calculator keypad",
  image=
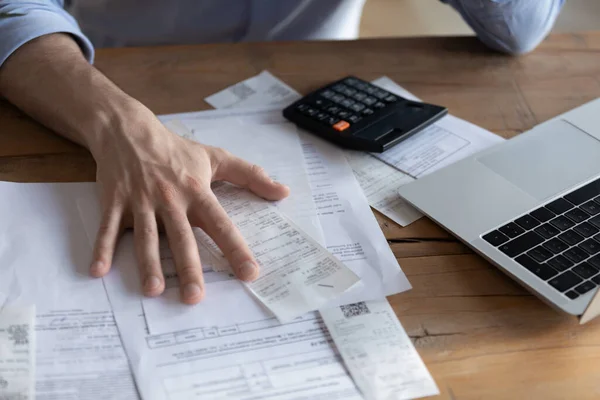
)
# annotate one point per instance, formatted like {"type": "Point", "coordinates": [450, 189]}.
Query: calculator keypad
{"type": "Point", "coordinates": [346, 103]}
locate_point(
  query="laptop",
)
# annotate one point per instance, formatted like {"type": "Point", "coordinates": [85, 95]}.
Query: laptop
{"type": "Point", "coordinates": [530, 205]}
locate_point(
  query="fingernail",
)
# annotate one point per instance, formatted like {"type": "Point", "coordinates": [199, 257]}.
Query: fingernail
{"type": "Point", "coordinates": [248, 269]}
{"type": "Point", "coordinates": [191, 291]}
{"type": "Point", "coordinates": [96, 267]}
{"type": "Point", "coordinates": [152, 283]}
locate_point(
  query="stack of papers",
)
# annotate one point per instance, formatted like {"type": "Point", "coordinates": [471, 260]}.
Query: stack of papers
{"type": "Point", "coordinates": [315, 324]}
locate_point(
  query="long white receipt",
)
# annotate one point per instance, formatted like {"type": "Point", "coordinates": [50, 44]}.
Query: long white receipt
{"type": "Point", "coordinates": [297, 274]}
{"type": "Point", "coordinates": [17, 353]}
{"type": "Point", "coordinates": [377, 351]}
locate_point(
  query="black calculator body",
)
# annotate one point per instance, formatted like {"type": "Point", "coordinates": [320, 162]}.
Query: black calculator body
{"type": "Point", "coordinates": [358, 115]}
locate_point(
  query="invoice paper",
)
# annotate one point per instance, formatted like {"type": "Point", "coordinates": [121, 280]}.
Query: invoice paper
{"type": "Point", "coordinates": [377, 351]}
{"type": "Point", "coordinates": [17, 353]}
{"type": "Point", "coordinates": [44, 260]}
{"type": "Point", "coordinates": [262, 89]}
{"type": "Point", "coordinates": [448, 140]}
{"type": "Point", "coordinates": [260, 359]}
{"type": "Point", "coordinates": [378, 182]}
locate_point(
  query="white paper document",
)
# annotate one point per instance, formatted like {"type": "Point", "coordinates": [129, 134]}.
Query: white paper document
{"type": "Point", "coordinates": [448, 140]}
{"type": "Point", "coordinates": [17, 353]}
{"type": "Point", "coordinates": [377, 351]}
{"type": "Point", "coordinates": [44, 260]}
{"type": "Point", "coordinates": [262, 89]}
{"type": "Point", "coordinates": [297, 275]}
{"type": "Point", "coordinates": [373, 177]}
{"type": "Point", "coordinates": [247, 361]}
{"type": "Point", "coordinates": [381, 183]}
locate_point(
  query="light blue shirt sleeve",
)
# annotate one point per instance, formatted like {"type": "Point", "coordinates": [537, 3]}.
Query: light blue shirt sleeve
{"type": "Point", "coordinates": [510, 26]}
{"type": "Point", "coordinates": [22, 21]}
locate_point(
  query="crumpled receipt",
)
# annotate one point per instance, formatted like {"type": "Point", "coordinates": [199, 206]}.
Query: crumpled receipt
{"type": "Point", "coordinates": [297, 274]}
{"type": "Point", "coordinates": [17, 353]}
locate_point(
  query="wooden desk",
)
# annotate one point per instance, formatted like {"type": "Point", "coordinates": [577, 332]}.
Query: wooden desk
{"type": "Point", "coordinates": [481, 335]}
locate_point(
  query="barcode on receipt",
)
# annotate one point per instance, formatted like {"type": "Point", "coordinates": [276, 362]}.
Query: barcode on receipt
{"type": "Point", "coordinates": [355, 309]}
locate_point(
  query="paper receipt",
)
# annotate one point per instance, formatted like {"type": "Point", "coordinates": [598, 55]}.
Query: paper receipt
{"type": "Point", "coordinates": [297, 275]}
{"type": "Point", "coordinates": [377, 351]}
{"type": "Point", "coordinates": [17, 353]}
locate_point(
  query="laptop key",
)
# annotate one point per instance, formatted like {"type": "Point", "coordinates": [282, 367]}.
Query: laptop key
{"type": "Point", "coordinates": [560, 263]}
{"type": "Point", "coordinates": [577, 215]}
{"type": "Point", "coordinates": [590, 246]}
{"type": "Point", "coordinates": [585, 270]}
{"type": "Point", "coordinates": [561, 222]}
{"type": "Point", "coordinates": [585, 229]}
{"type": "Point", "coordinates": [527, 222]}
{"type": "Point", "coordinates": [546, 231]}
{"type": "Point", "coordinates": [511, 230]}
{"type": "Point", "coordinates": [565, 281]}
{"type": "Point", "coordinates": [542, 214]}
{"type": "Point", "coordinates": [584, 193]}
{"type": "Point", "coordinates": [571, 237]}
{"type": "Point", "coordinates": [559, 206]}
{"type": "Point", "coordinates": [572, 294]}
{"type": "Point", "coordinates": [585, 287]}
{"type": "Point", "coordinates": [595, 221]}
{"type": "Point", "coordinates": [539, 254]}
{"type": "Point", "coordinates": [557, 246]}
{"type": "Point", "coordinates": [591, 207]}
{"type": "Point", "coordinates": [575, 254]}
{"type": "Point", "coordinates": [596, 279]}
{"type": "Point", "coordinates": [595, 261]}
{"type": "Point", "coordinates": [542, 271]}
{"type": "Point", "coordinates": [495, 238]}
{"type": "Point", "coordinates": [521, 244]}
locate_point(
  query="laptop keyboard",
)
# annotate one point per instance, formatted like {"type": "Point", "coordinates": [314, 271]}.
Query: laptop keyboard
{"type": "Point", "coordinates": [558, 242]}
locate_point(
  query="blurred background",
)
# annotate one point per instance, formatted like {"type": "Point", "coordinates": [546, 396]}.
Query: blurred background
{"type": "Point", "coordinates": [431, 17]}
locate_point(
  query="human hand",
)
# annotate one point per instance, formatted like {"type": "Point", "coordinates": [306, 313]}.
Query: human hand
{"type": "Point", "coordinates": [150, 177]}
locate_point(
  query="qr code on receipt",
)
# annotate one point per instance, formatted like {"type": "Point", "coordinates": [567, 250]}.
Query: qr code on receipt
{"type": "Point", "coordinates": [355, 309]}
{"type": "Point", "coordinates": [19, 334]}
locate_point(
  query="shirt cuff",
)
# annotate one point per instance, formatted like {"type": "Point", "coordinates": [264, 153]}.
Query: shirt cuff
{"type": "Point", "coordinates": [20, 29]}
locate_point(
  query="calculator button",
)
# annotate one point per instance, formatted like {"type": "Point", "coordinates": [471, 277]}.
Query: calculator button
{"type": "Point", "coordinates": [380, 94]}
{"type": "Point", "coordinates": [361, 86]}
{"type": "Point", "coordinates": [341, 126]}
{"type": "Point", "coordinates": [371, 90]}
{"type": "Point", "coordinates": [379, 105]}
{"type": "Point", "coordinates": [338, 98]}
{"type": "Point", "coordinates": [357, 107]}
{"type": "Point", "coordinates": [348, 91]}
{"type": "Point", "coordinates": [351, 81]}
{"type": "Point", "coordinates": [302, 107]}
{"type": "Point", "coordinates": [328, 94]}
{"type": "Point", "coordinates": [311, 112]}
{"type": "Point", "coordinates": [390, 98]}
{"type": "Point", "coordinates": [370, 101]}
{"type": "Point", "coordinates": [340, 87]}
{"type": "Point", "coordinates": [344, 114]}
{"type": "Point", "coordinates": [321, 116]}
{"type": "Point", "coordinates": [321, 103]}
{"type": "Point", "coordinates": [359, 96]}
{"type": "Point", "coordinates": [353, 118]}
{"type": "Point", "coordinates": [334, 110]}
{"type": "Point", "coordinates": [367, 111]}
{"type": "Point", "coordinates": [347, 103]}
{"type": "Point", "coordinates": [331, 120]}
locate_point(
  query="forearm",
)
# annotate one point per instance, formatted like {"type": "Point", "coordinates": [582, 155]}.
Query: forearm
{"type": "Point", "coordinates": [50, 79]}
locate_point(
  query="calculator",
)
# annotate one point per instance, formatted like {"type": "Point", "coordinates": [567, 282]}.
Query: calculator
{"type": "Point", "coordinates": [358, 115]}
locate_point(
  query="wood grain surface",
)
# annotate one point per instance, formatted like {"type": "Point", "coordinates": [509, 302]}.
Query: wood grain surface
{"type": "Point", "coordinates": [481, 335]}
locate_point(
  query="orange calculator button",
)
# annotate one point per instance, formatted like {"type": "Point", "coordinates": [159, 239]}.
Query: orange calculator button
{"type": "Point", "coordinates": [341, 126]}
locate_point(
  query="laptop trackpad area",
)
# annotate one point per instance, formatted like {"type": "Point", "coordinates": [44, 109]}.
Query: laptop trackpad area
{"type": "Point", "coordinates": [554, 158]}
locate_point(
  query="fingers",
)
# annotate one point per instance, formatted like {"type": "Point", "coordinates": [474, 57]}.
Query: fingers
{"type": "Point", "coordinates": [253, 177]}
{"type": "Point", "coordinates": [185, 253]}
{"type": "Point", "coordinates": [106, 240]}
{"type": "Point", "coordinates": [146, 238]}
{"type": "Point", "coordinates": [212, 218]}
